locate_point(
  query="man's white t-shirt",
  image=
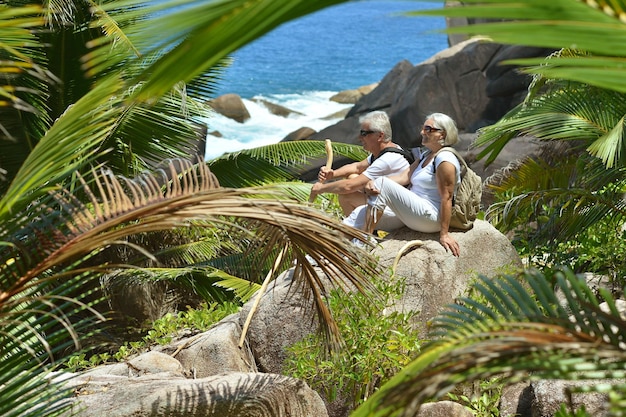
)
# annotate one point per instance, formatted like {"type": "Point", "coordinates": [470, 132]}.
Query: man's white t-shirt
{"type": "Point", "coordinates": [389, 163]}
{"type": "Point", "coordinates": [424, 182]}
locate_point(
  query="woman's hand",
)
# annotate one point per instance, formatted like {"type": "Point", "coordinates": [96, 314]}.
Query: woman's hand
{"type": "Point", "coordinates": [449, 243]}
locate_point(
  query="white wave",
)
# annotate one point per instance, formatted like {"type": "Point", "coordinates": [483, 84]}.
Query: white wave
{"type": "Point", "coordinates": [265, 128]}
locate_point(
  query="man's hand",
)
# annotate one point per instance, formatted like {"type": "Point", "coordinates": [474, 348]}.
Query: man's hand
{"type": "Point", "coordinates": [370, 188]}
{"type": "Point", "coordinates": [316, 190]}
{"type": "Point", "coordinates": [325, 174]}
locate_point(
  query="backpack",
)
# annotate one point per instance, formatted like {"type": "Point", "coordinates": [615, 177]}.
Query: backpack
{"type": "Point", "coordinates": [407, 155]}
{"type": "Point", "coordinates": [466, 200]}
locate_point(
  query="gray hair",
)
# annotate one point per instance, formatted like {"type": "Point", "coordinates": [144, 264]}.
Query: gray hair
{"type": "Point", "coordinates": [445, 122]}
{"type": "Point", "coordinates": [378, 121]}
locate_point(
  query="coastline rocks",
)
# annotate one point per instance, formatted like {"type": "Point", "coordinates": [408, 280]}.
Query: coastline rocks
{"type": "Point", "coordinates": [300, 134]}
{"type": "Point", "coordinates": [352, 96]}
{"type": "Point", "coordinates": [231, 106]}
{"type": "Point", "coordinates": [276, 109]}
{"type": "Point", "coordinates": [466, 81]}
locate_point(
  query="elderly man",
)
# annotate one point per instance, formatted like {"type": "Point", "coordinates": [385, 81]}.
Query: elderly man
{"type": "Point", "coordinates": [386, 158]}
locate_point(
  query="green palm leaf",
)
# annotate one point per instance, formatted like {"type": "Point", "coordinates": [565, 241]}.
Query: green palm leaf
{"type": "Point", "coordinates": [277, 162]}
{"type": "Point", "coordinates": [39, 327]}
{"type": "Point", "coordinates": [569, 111]}
{"type": "Point", "coordinates": [518, 329]}
{"type": "Point", "coordinates": [595, 27]}
{"type": "Point", "coordinates": [564, 198]}
{"type": "Point", "coordinates": [202, 34]}
{"type": "Point", "coordinates": [209, 283]}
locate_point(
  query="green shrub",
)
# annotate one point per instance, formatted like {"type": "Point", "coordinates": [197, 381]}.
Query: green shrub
{"type": "Point", "coordinates": [484, 400]}
{"type": "Point", "coordinates": [160, 332]}
{"type": "Point", "coordinates": [600, 249]}
{"type": "Point", "coordinates": [378, 343]}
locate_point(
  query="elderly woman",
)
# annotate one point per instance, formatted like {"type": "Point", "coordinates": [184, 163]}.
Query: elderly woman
{"type": "Point", "coordinates": [421, 196]}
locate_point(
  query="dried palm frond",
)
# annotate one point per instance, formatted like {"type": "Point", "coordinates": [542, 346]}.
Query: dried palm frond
{"type": "Point", "coordinates": [66, 229]}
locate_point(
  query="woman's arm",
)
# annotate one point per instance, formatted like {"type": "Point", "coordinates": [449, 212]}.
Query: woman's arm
{"type": "Point", "coordinates": [446, 180]}
{"type": "Point", "coordinates": [404, 178]}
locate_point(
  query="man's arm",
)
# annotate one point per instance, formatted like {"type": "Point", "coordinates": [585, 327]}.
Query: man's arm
{"type": "Point", "coordinates": [343, 171]}
{"type": "Point", "coordinates": [344, 186]}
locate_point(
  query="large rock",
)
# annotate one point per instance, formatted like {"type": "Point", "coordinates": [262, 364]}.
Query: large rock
{"type": "Point", "coordinates": [299, 134]}
{"type": "Point", "coordinates": [465, 81]}
{"type": "Point", "coordinates": [276, 109]}
{"type": "Point", "coordinates": [436, 278]}
{"type": "Point", "coordinates": [214, 351]}
{"type": "Point", "coordinates": [443, 409]}
{"type": "Point", "coordinates": [548, 395]}
{"type": "Point", "coordinates": [232, 394]}
{"type": "Point", "coordinates": [283, 317]}
{"type": "Point", "coordinates": [231, 106]}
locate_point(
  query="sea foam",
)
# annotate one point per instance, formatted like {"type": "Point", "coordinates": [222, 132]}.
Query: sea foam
{"type": "Point", "coordinates": [265, 128]}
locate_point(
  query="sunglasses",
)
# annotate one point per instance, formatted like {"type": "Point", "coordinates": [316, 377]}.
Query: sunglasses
{"type": "Point", "coordinates": [429, 129]}
{"type": "Point", "coordinates": [364, 133]}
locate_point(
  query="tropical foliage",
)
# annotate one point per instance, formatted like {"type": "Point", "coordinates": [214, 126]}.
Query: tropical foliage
{"type": "Point", "coordinates": [379, 341]}
{"type": "Point", "coordinates": [519, 333]}
{"type": "Point", "coordinates": [91, 91]}
{"type": "Point", "coordinates": [518, 327]}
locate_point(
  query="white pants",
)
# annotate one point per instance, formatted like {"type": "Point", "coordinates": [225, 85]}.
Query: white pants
{"type": "Point", "coordinates": [401, 208]}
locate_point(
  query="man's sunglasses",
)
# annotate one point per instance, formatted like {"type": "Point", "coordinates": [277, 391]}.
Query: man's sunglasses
{"type": "Point", "coordinates": [364, 133]}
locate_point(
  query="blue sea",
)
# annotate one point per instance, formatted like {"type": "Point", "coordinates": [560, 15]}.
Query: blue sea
{"type": "Point", "coordinates": [302, 63]}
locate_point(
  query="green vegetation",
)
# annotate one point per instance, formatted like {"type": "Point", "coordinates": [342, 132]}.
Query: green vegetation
{"type": "Point", "coordinates": [378, 342]}
{"type": "Point", "coordinates": [565, 207]}
{"type": "Point", "coordinates": [484, 401]}
{"type": "Point", "coordinates": [92, 92]}
{"type": "Point", "coordinates": [161, 332]}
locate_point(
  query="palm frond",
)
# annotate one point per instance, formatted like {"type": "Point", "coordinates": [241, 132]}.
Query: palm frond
{"type": "Point", "coordinates": [565, 112]}
{"type": "Point", "coordinates": [24, 86]}
{"type": "Point", "coordinates": [596, 27]}
{"type": "Point", "coordinates": [563, 198]}
{"type": "Point", "coordinates": [141, 206]}
{"type": "Point", "coordinates": [39, 326]}
{"type": "Point", "coordinates": [146, 135]}
{"type": "Point", "coordinates": [209, 283]}
{"type": "Point", "coordinates": [277, 162]}
{"type": "Point", "coordinates": [521, 330]}
{"type": "Point", "coordinates": [84, 125]}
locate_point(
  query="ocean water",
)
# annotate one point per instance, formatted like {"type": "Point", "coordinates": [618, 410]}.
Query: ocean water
{"type": "Point", "coordinates": [302, 63]}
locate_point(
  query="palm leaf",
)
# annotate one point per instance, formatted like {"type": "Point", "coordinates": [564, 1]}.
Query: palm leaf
{"type": "Point", "coordinates": [209, 283]}
{"type": "Point", "coordinates": [518, 329]}
{"type": "Point", "coordinates": [563, 198]}
{"type": "Point", "coordinates": [39, 327]}
{"type": "Point", "coordinates": [564, 112]}
{"type": "Point", "coordinates": [191, 198]}
{"type": "Point", "coordinates": [24, 86]}
{"type": "Point", "coordinates": [277, 162]}
{"type": "Point", "coordinates": [84, 126]}
{"type": "Point", "coordinates": [595, 27]}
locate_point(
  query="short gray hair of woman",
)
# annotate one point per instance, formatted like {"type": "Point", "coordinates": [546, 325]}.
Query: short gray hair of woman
{"type": "Point", "coordinates": [445, 122]}
{"type": "Point", "coordinates": [378, 121]}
